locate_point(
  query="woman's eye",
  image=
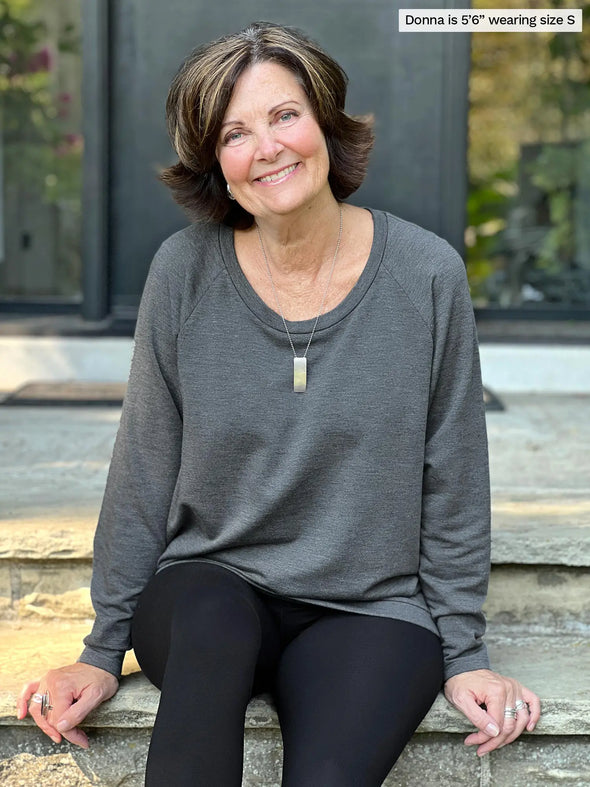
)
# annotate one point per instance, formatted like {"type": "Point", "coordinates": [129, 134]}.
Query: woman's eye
{"type": "Point", "coordinates": [233, 136]}
{"type": "Point", "coordinates": [286, 116]}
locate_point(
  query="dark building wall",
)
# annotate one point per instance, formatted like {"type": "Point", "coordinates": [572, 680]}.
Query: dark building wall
{"type": "Point", "coordinates": [414, 83]}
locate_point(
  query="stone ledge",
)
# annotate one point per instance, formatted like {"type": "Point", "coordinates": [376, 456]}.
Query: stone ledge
{"type": "Point", "coordinates": [555, 754]}
{"type": "Point", "coordinates": [557, 669]}
{"type": "Point", "coordinates": [540, 528]}
{"type": "Point", "coordinates": [550, 531]}
{"type": "Point", "coordinates": [538, 599]}
{"type": "Point", "coordinates": [118, 757]}
{"type": "Point", "coordinates": [55, 536]}
{"type": "Point", "coordinates": [542, 545]}
{"type": "Point", "coordinates": [136, 703]}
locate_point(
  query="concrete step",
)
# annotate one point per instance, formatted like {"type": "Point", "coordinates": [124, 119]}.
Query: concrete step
{"type": "Point", "coordinates": [60, 348]}
{"type": "Point", "coordinates": [556, 753]}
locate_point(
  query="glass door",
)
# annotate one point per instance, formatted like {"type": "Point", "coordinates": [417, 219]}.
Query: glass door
{"type": "Point", "coordinates": [41, 149]}
{"type": "Point", "coordinates": [528, 234]}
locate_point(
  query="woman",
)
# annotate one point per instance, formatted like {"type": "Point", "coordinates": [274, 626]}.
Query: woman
{"type": "Point", "coordinates": [315, 527]}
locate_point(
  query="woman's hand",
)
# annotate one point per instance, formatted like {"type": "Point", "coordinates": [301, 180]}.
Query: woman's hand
{"type": "Point", "coordinates": [469, 690]}
{"type": "Point", "coordinates": [73, 691]}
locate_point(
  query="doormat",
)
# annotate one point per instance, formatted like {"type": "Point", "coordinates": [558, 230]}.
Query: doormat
{"type": "Point", "coordinates": [67, 394]}
{"type": "Point", "coordinates": [491, 400]}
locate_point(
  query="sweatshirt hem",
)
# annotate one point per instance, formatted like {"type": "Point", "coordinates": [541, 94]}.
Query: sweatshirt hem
{"type": "Point", "coordinates": [396, 608]}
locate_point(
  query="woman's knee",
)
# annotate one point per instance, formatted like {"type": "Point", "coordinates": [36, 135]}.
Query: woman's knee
{"type": "Point", "coordinates": [193, 612]}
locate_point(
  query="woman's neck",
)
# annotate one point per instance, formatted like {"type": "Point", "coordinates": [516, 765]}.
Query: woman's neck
{"type": "Point", "coordinates": [303, 244]}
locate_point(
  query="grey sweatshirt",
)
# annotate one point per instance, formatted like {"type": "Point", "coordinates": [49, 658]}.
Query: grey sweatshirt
{"type": "Point", "coordinates": [367, 493]}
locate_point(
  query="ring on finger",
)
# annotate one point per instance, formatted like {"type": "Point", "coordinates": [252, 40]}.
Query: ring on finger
{"type": "Point", "coordinates": [45, 705]}
{"type": "Point", "coordinates": [510, 713]}
{"type": "Point", "coordinates": [43, 700]}
{"type": "Point", "coordinates": [521, 705]}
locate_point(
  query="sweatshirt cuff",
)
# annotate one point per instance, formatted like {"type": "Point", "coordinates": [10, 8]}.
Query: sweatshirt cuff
{"type": "Point", "coordinates": [471, 661]}
{"type": "Point", "coordinates": [108, 660]}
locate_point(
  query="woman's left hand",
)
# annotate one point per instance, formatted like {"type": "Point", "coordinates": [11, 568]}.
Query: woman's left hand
{"type": "Point", "coordinates": [468, 691]}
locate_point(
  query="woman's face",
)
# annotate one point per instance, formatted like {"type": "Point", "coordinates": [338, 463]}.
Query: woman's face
{"type": "Point", "coordinates": [271, 149]}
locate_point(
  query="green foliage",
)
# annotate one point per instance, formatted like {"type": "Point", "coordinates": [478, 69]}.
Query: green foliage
{"type": "Point", "coordinates": [554, 173]}
{"type": "Point", "coordinates": [38, 154]}
{"type": "Point", "coordinates": [526, 89]}
{"type": "Point", "coordinates": [487, 208]}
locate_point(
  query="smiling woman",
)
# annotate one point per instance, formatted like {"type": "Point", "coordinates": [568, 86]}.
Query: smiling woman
{"type": "Point", "coordinates": [197, 112]}
{"type": "Point", "coordinates": [298, 500]}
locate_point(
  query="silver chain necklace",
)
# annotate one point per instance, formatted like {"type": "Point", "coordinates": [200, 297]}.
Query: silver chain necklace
{"type": "Point", "coordinates": [300, 362]}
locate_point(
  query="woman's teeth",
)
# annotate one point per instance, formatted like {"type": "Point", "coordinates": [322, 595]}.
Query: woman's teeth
{"type": "Point", "coordinates": [278, 175]}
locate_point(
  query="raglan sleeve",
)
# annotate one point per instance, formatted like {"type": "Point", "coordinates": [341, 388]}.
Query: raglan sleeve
{"type": "Point", "coordinates": [131, 530]}
{"type": "Point", "coordinates": [456, 517]}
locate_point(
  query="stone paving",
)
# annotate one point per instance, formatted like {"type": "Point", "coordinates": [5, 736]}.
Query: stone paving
{"type": "Point", "coordinates": [54, 461]}
{"type": "Point", "coordinates": [53, 466]}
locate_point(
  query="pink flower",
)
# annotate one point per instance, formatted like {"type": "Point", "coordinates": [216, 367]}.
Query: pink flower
{"type": "Point", "coordinates": [70, 143]}
{"type": "Point", "coordinates": [40, 61]}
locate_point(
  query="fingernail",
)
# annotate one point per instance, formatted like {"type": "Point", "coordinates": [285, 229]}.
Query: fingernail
{"type": "Point", "coordinates": [62, 726]}
{"type": "Point", "coordinates": [56, 740]}
{"type": "Point", "coordinates": [492, 729]}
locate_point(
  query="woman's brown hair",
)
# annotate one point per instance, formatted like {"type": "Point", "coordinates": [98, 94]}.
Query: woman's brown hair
{"type": "Point", "coordinates": [198, 99]}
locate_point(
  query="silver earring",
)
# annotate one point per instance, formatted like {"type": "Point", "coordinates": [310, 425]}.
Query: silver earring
{"type": "Point", "coordinates": [229, 194]}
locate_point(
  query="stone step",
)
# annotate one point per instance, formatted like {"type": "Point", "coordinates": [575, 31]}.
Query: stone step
{"type": "Point", "coordinates": [527, 529]}
{"type": "Point", "coordinates": [556, 753]}
{"type": "Point", "coordinates": [542, 599]}
{"type": "Point", "coordinates": [539, 567]}
{"type": "Point", "coordinates": [30, 647]}
{"type": "Point", "coordinates": [539, 571]}
{"type": "Point", "coordinates": [540, 468]}
{"type": "Point", "coordinates": [54, 462]}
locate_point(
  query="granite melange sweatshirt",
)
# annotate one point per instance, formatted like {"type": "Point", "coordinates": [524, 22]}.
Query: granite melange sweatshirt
{"type": "Point", "coordinates": [369, 492]}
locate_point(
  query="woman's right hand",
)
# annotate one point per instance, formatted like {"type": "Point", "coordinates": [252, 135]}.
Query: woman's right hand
{"type": "Point", "coordinates": [73, 691]}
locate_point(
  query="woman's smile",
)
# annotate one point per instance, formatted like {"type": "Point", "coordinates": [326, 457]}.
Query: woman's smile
{"type": "Point", "coordinates": [274, 178]}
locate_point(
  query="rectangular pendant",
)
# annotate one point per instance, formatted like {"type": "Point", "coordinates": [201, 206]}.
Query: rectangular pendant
{"type": "Point", "coordinates": [299, 374]}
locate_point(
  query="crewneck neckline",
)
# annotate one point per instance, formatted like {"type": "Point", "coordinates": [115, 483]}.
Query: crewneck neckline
{"type": "Point", "coordinates": [269, 316]}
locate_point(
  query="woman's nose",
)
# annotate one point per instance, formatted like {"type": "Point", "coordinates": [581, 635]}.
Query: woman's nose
{"type": "Point", "coordinates": [268, 146]}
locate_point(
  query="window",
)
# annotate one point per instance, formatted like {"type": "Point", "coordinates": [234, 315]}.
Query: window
{"type": "Point", "coordinates": [528, 233]}
{"type": "Point", "coordinates": [40, 149]}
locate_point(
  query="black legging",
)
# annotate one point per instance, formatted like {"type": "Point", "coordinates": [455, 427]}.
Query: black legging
{"type": "Point", "coordinates": [350, 689]}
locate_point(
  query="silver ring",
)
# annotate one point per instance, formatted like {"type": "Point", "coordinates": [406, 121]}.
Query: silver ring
{"type": "Point", "coordinates": [509, 713]}
{"type": "Point", "coordinates": [521, 705]}
{"type": "Point", "coordinates": [45, 706]}
{"type": "Point", "coordinates": [43, 701]}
